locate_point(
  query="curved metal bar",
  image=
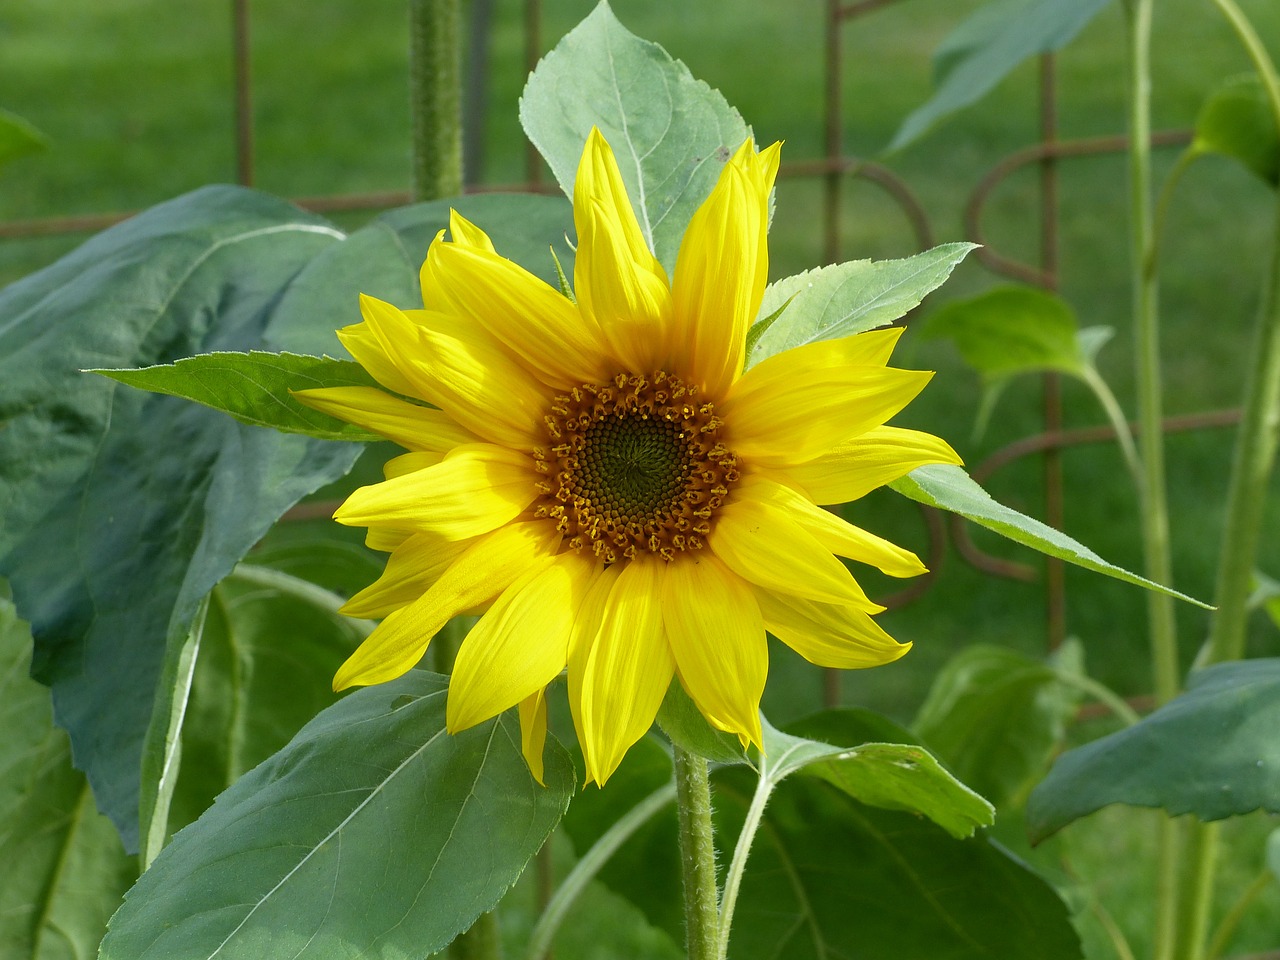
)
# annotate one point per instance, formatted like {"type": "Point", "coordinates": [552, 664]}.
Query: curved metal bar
{"type": "Point", "coordinates": [878, 174]}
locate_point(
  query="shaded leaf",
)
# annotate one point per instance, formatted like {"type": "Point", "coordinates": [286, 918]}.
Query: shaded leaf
{"type": "Point", "coordinates": [848, 298]}
{"type": "Point", "coordinates": [671, 133]}
{"type": "Point", "coordinates": [65, 870]}
{"type": "Point", "coordinates": [987, 46]}
{"type": "Point", "coordinates": [18, 138]}
{"type": "Point", "coordinates": [122, 509]}
{"type": "Point", "coordinates": [829, 876]}
{"type": "Point", "coordinates": [373, 832]}
{"type": "Point", "coordinates": [684, 725]}
{"type": "Point", "coordinates": [1212, 752]}
{"type": "Point", "coordinates": [994, 716]}
{"type": "Point", "coordinates": [950, 488]}
{"type": "Point", "coordinates": [255, 388]}
{"type": "Point", "coordinates": [1237, 122]}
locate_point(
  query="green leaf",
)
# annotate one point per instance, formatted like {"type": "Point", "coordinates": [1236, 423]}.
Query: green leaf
{"type": "Point", "coordinates": [1236, 121]}
{"type": "Point", "coordinates": [1273, 853]}
{"type": "Point", "coordinates": [256, 388]}
{"type": "Point", "coordinates": [848, 298]}
{"type": "Point", "coordinates": [1011, 330]}
{"type": "Point", "coordinates": [671, 134]}
{"type": "Point", "coordinates": [831, 877]}
{"type": "Point", "coordinates": [65, 870]}
{"type": "Point", "coordinates": [995, 716]}
{"type": "Point", "coordinates": [684, 725]}
{"type": "Point", "coordinates": [123, 509]}
{"type": "Point", "coordinates": [987, 46]}
{"type": "Point", "coordinates": [18, 138]}
{"type": "Point", "coordinates": [1212, 752]}
{"type": "Point", "coordinates": [950, 488]}
{"type": "Point", "coordinates": [373, 833]}
{"type": "Point", "coordinates": [892, 776]}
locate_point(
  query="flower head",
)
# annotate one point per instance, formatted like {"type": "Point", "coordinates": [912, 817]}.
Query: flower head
{"type": "Point", "coordinates": [608, 486]}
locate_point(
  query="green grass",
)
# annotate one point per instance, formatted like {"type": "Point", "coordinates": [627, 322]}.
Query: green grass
{"type": "Point", "coordinates": [136, 99]}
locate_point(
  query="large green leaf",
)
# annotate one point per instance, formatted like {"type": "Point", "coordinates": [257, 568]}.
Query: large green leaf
{"type": "Point", "coordinates": [65, 870]}
{"type": "Point", "coordinates": [670, 132]}
{"type": "Point", "coordinates": [122, 510]}
{"type": "Point", "coordinates": [950, 488]}
{"type": "Point", "coordinates": [1212, 752]}
{"type": "Point", "coordinates": [829, 877]}
{"type": "Point", "coordinates": [1236, 121]}
{"type": "Point", "coordinates": [373, 833]}
{"type": "Point", "coordinates": [256, 388]}
{"type": "Point", "coordinates": [994, 716]}
{"type": "Point", "coordinates": [986, 47]}
{"type": "Point", "coordinates": [848, 298]}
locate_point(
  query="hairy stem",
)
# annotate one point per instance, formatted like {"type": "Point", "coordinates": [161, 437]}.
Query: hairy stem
{"type": "Point", "coordinates": [435, 98]}
{"type": "Point", "coordinates": [697, 855]}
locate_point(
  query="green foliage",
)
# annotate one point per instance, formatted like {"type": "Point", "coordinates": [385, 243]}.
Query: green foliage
{"type": "Point", "coordinates": [1236, 121]}
{"type": "Point", "coordinates": [18, 138]}
{"type": "Point", "coordinates": [65, 870]}
{"type": "Point", "coordinates": [995, 715]}
{"type": "Point", "coordinates": [847, 298]}
{"type": "Point", "coordinates": [950, 488]}
{"type": "Point", "coordinates": [684, 724]}
{"type": "Point", "coordinates": [670, 133]}
{"type": "Point", "coordinates": [373, 830]}
{"type": "Point", "coordinates": [123, 510]}
{"type": "Point", "coordinates": [986, 48]}
{"type": "Point", "coordinates": [257, 388]}
{"type": "Point", "coordinates": [1211, 752]}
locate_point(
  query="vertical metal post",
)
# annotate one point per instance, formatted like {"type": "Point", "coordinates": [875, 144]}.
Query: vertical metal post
{"type": "Point", "coordinates": [244, 91]}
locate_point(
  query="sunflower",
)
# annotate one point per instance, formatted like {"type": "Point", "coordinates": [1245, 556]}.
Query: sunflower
{"type": "Point", "coordinates": [601, 478]}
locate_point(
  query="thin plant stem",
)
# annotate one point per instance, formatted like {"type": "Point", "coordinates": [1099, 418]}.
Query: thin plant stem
{"type": "Point", "coordinates": [435, 98]}
{"type": "Point", "coordinates": [697, 855]}
{"type": "Point", "coordinates": [1103, 694]}
{"type": "Point", "coordinates": [1154, 496]}
{"type": "Point", "coordinates": [1119, 422]}
{"type": "Point", "coordinates": [1251, 469]}
{"type": "Point", "coordinates": [585, 870]}
{"type": "Point", "coordinates": [1227, 928]}
{"type": "Point", "coordinates": [741, 850]}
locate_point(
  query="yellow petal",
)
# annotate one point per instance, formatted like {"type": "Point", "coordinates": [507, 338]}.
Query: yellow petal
{"type": "Point", "coordinates": [723, 266]}
{"type": "Point", "coordinates": [408, 463]}
{"type": "Point", "coordinates": [520, 644]}
{"type": "Point", "coordinates": [616, 278]}
{"type": "Point", "coordinates": [412, 567]}
{"type": "Point", "coordinates": [798, 405]}
{"type": "Point", "coordinates": [467, 234]}
{"type": "Point", "coordinates": [535, 324]}
{"type": "Point", "coordinates": [533, 732]}
{"type": "Point", "coordinates": [475, 489]}
{"type": "Point", "coordinates": [460, 369]}
{"type": "Point", "coordinates": [763, 544]}
{"type": "Point", "coordinates": [856, 467]}
{"type": "Point", "coordinates": [717, 636]}
{"type": "Point", "coordinates": [479, 574]}
{"type": "Point", "coordinates": [835, 534]}
{"type": "Point", "coordinates": [619, 675]}
{"type": "Point", "coordinates": [830, 636]}
{"type": "Point", "coordinates": [363, 344]}
{"type": "Point", "coordinates": [412, 426]}
{"type": "Point", "coordinates": [385, 539]}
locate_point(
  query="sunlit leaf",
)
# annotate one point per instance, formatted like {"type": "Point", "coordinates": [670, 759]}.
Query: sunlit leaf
{"type": "Point", "coordinates": [670, 133]}
{"type": "Point", "coordinates": [373, 833]}
{"type": "Point", "coordinates": [1237, 122]}
{"type": "Point", "coordinates": [255, 388]}
{"type": "Point", "coordinates": [848, 298]}
{"type": "Point", "coordinates": [994, 715]}
{"type": "Point", "coordinates": [950, 488]}
{"type": "Point", "coordinates": [1212, 752]}
{"type": "Point", "coordinates": [64, 868]}
{"type": "Point", "coordinates": [987, 46]}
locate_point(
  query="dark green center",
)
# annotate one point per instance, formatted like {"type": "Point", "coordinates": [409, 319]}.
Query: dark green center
{"type": "Point", "coordinates": [633, 466]}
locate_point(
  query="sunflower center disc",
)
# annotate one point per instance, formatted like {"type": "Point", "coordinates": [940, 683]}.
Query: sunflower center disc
{"type": "Point", "coordinates": [634, 465]}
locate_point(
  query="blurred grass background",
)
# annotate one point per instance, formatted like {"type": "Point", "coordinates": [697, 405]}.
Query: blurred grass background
{"type": "Point", "coordinates": [136, 98]}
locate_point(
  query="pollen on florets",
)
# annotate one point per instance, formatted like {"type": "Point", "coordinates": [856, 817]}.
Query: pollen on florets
{"type": "Point", "coordinates": [634, 465]}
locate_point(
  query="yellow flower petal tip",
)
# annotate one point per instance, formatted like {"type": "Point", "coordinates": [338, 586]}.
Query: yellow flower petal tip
{"type": "Point", "coordinates": [603, 482]}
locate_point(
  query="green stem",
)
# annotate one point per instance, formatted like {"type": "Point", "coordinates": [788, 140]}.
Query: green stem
{"type": "Point", "coordinates": [303, 590]}
{"type": "Point", "coordinates": [697, 855]}
{"type": "Point", "coordinates": [1155, 508]}
{"type": "Point", "coordinates": [586, 868]}
{"type": "Point", "coordinates": [764, 788]}
{"type": "Point", "coordinates": [1119, 422]}
{"type": "Point", "coordinates": [1227, 928]}
{"type": "Point", "coordinates": [1103, 694]}
{"type": "Point", "coordinates": [482, 941]}
{"type": "Point", "coordinates": [435, 98]}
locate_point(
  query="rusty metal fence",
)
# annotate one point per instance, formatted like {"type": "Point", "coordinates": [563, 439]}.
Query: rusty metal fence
{"type": "Point", "coordinates": [834, 168]}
